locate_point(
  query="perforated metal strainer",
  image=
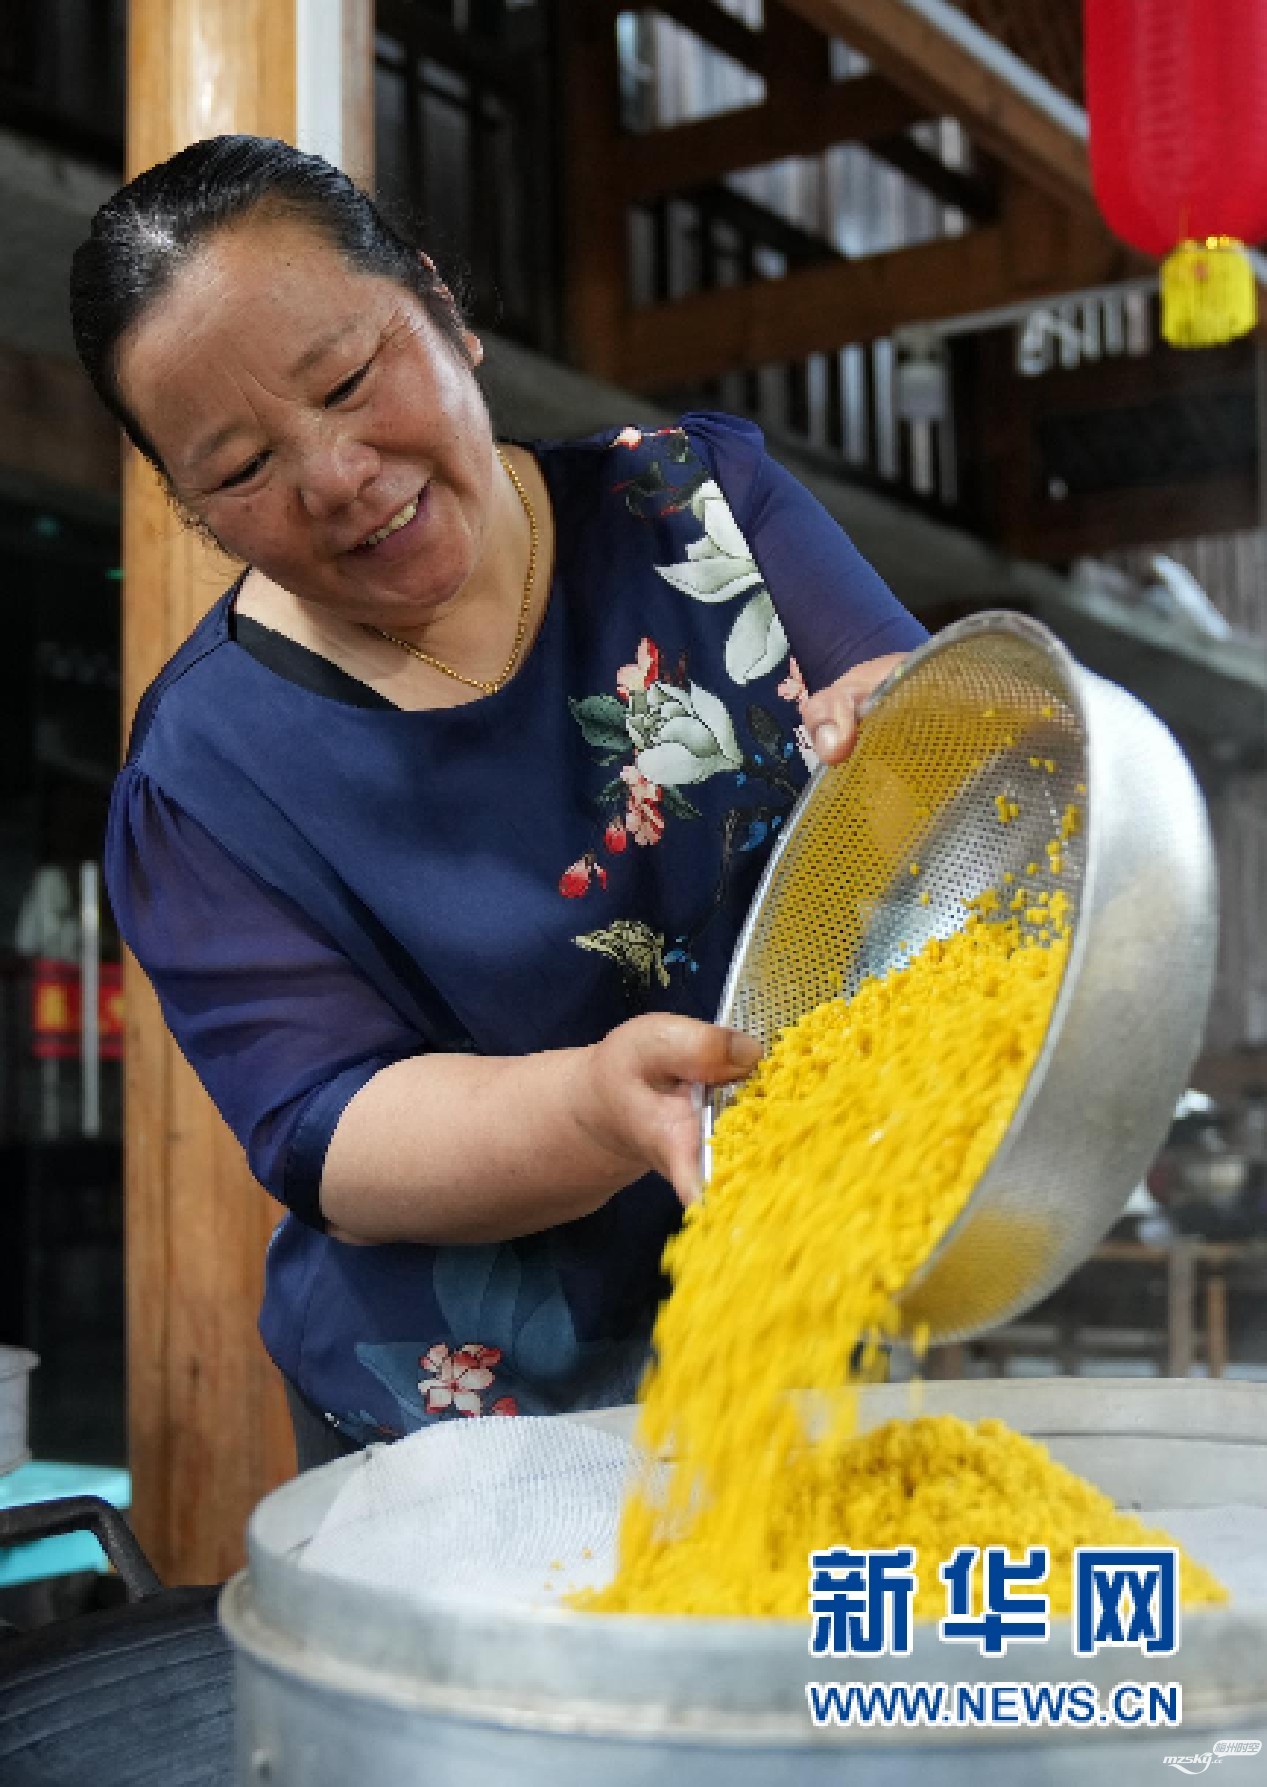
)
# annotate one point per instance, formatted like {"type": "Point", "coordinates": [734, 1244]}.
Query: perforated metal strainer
{"type": "Point", "coordinates": [995, 710]}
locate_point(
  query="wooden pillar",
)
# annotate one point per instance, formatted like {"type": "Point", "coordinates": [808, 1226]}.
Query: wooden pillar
{"type": "Point", "coordinates": [597, 299]}
{"type": "Point", "coordinates": [208, 1429]}
{"type": "Point", "coordinates": [1180, 1285]}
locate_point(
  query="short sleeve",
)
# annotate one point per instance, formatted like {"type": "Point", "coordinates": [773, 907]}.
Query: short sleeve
{"type": "Point", "coordinates": [835, 609]}
{"type": "Point", "coordinates": [278, 1025]}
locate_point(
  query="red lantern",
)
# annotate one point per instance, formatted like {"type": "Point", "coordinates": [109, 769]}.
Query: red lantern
{"type": "Point", "coordinates": [1177, 103]}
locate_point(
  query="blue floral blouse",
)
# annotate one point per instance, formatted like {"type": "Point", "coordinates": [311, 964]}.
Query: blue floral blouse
{"type": "Point", "coordinates": [319, 887]}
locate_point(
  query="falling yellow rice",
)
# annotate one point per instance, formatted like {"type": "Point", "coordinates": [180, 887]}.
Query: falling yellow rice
{"type": "Point", "coordinates": [836, 1170]}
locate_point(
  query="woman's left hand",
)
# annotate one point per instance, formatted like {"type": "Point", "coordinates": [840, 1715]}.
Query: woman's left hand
{"type": "Point", "coordinates": [831, 716]}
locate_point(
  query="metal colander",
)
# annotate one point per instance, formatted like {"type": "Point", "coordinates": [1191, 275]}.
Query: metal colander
{"type": "Point", "coordinates": [995, 710]}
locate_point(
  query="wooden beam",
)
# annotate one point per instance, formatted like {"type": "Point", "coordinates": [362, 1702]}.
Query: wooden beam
{"type": "Point", "coordinates": [792, 57]}
{"type": "Point", "coordinates": [208, 1429]}
{"type": "Point", "coordinates": [974, 195]}
{"type": "Point", "coordinates": [798, 57]}
{"type": "Point", "coordinates": [1126, 381]}
{"type": "Point", "coordinates": [1084, 525]}
{"type": "Point", "coordinates": [818, 309]}
{"type": "Point", "coordinates": [664, 161]}
{"type": "Point", "coordinates": [946, 71]}
{"type": "Point", "coordinates": [775, 55]}
{"type": "Point", "coordinates": [758, 224]}
{"type": "Point", "coordinates": [799, 75]}
{"type": "Point", "coordinates": [721, 31]}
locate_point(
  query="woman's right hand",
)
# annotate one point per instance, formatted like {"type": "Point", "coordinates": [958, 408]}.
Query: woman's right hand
{"type": "Point", "coordinates": [456, 1149]}
{"type": "Point", "coordinates": [637, 1098]}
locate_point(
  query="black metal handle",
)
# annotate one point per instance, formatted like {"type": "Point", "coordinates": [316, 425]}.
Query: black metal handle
{"type": "Point", "coordinates": [85, 1513]}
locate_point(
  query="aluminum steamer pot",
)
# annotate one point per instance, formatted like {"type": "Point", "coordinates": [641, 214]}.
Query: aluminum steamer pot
{"type": "Point", "coordinates": [338, 1683]}
{"type": "Point", "coordinates": [995, 710]}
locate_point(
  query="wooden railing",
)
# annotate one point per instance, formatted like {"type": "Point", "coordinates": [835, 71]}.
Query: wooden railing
{"type": "Point", "coordinates": [707, 92]}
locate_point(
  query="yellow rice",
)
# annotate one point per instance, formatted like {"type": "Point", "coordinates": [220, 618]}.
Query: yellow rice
{"type": "Point", "coordinates": [836, 1170]}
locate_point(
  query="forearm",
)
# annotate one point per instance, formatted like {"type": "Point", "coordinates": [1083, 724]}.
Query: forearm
{"type": "Point", "coordinates": [468, 1148]}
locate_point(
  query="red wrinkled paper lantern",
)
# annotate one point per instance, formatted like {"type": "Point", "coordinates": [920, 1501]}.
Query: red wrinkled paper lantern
{"type": "Point", "coordinates": [1177, 103]}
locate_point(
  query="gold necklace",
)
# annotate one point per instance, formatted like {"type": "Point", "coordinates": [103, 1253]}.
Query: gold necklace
{"type": "Point", "coordinates": [499, 682]}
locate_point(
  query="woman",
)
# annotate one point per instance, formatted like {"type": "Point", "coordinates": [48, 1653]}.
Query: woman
{"type": "Point", "coordinates": [436, 835]}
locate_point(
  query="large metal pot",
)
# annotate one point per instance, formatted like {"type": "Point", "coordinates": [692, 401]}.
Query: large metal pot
{"type": "Point", "coordinates": [336, 1682]}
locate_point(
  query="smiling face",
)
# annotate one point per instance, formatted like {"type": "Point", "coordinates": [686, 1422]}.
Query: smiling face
{"type": "Point", "coordinates": [299, 407]}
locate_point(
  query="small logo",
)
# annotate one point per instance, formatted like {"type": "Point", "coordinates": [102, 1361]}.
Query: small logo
{"type": "Point", "coordinates": [1218, 1752]}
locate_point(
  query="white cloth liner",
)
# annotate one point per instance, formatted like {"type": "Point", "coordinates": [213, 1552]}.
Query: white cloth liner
{"type": "Point", "coordinates": [496, 1510]}
{"type": "Point", "coordinates": [523, 1510]}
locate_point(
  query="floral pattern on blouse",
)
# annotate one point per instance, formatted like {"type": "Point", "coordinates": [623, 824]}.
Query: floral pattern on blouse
{"type": "Point", "coordinates": [793, 689]}
{"type": "Point", "coordinates": [636, 949]}
{"type": "Point", "coordinates": [662, 732]}
{"type": "Point", "coordinates": [459, 1379]}
{"type": "Point", "coordinates": [720, 567]}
